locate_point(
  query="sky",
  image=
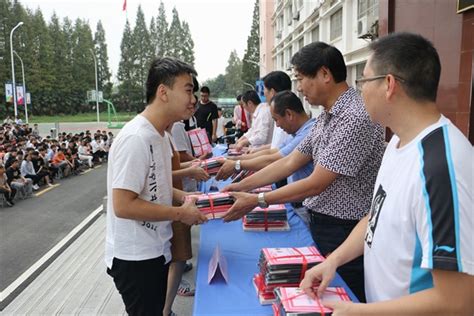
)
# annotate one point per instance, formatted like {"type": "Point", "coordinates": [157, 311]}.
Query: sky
{"type": "Point", "coordinates": [217, 26]}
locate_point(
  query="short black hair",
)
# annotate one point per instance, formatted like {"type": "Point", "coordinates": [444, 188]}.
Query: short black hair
{"type": "Point", "coordinates": [164, 71]}
{"type": "Point", "coordinates": [251, 95]}
{"type": "Point", "coordinates": [284, 100]}
{"type": "Point", "coordinates": [239, 97]}
{"type": "Point", "coordinates": [412, 58]}
{"type": "Point", "coordinates": [277, 80]}
{"type": "Point", "coordinates": [196, 84]}
{"type": "Point", "coordinates": [205, 89]}
{"type": "Point", "coordinates": [314, 56]}
{"type": "Point", "coordinates": [219, 109]}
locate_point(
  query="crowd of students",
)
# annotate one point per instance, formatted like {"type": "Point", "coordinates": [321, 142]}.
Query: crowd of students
{"type": "Point", "coordinates": [29, 161]}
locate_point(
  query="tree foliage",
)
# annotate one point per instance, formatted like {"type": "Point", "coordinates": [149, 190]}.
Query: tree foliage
{"type": "Point", "coordinates": [228, 85]}
{"type": "Point", "coordinates": [250, 70]}
{"type": "Point", "coordinates": [57, 57]}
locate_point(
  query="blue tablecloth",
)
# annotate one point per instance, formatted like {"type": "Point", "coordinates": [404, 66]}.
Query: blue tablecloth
{"type": "Point", "coordinates": [241, 250]}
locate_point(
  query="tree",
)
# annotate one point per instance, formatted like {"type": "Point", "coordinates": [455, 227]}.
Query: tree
{"type": "Point", "coordinates": [40, 68]}
{"type": "Point", "coordinates": [61, 71]}
{"type": "Point", "coordinates": [187, 48]}
{"type": "Point", "coordinates": [103, 72]}
{"type": "Point", "coordinates": [233, 75]}
{"type": "Point", "coordinates": [143, 53]}
{"type": "Point", "coordinates": [250, 71]}
{"type": "Point", "coordinates": [217, 86]}
{"type": "Point", "coordinates": [175, 37]}
{"type": "Point", "coordinates": [161, 44]}
{"type": "Point", "coordinates": [125, 70]}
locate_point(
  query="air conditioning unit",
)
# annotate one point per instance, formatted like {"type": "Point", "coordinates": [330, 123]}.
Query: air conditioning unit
{"type": "Point", "coordinates": [362, 26]}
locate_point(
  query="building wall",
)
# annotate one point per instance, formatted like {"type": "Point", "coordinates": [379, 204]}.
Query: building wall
{"type": "Point", "coordinates": [453, 36]}
{"type": "Point", "coordinates": [266, 36]}
{"type": "Point", "coordinates": [296, 23]}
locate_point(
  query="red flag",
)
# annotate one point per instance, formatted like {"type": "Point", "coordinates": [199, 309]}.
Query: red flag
{"type": "Point", "coordinates": [124, 8]}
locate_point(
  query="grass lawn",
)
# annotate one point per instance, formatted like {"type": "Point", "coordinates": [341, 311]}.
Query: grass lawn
{"type": "Point", "coordinates": [81, 117]}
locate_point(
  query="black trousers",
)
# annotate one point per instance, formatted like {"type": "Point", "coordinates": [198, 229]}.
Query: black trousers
{"type": "Point", "coordinates": [329, 233]}
{"type": "Point", "coordinates": [142, 284]}
{"type": "Point", "coordinates": [9, 195]}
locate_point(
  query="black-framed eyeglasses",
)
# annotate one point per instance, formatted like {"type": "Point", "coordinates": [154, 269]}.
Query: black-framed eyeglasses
{"type": "Point", "coordinates": [360, 81]}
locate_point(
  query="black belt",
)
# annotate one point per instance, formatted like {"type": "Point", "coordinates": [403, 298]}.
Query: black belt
{"type": "Point", "coordinates": [297, 204]}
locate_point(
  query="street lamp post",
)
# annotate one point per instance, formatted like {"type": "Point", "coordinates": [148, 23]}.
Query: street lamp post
{"type": "Point", "coordinates": [248, 84]}
{"type": "Point", "coordinates": [96, 87]}
{"type": "Point", "coordinates": [13, 68]}
{"type": "Point", "coordinates": [24, 86]}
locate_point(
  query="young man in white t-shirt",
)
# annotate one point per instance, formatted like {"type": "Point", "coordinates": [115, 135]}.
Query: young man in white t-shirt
{"type": "Point", "coordinates": [140, 192]}
{"type": "Point", "coordinates": [417, 239]}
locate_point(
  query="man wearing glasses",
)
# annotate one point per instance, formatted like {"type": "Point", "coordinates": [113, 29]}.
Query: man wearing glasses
{"type": "Point", "coordinates": [346, 150]}
{"type": "Point", "coordinates": [417, 240]}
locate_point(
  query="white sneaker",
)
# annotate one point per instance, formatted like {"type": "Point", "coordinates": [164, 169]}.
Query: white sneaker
{"type": "Point", "coordinates": [35, 187]}
{"type": "Point", "coordinates": [50, 185]}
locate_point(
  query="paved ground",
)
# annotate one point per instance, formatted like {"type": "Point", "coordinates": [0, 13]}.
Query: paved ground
{"type": "Point", "coordinates": [33, 226]}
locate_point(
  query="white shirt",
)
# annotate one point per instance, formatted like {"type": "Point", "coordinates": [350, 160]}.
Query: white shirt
{"type": "Point", "coordinates": [27, 168]}
{"type": "Point", "coordinates": [82, 150]}
{"type": "Point", "coordinates": [95, 146]}
{"type": "Point", "coordinates": [139, 161]}
{"type": "Point", "coordinates": [181, 138]}
{"type": "Point", "coordinates": [279, 137]}
{"type": "Point", "coordinates": [220, 126]}
{"type": "Point", "coordinates": [182, 142]}
{"type": "Point", "coordinates": [421, 216]}
{"type": "Point", "coordinates": [262, 126]}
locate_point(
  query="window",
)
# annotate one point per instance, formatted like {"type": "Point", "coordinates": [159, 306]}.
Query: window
{"type": "Point", "coordinates": [290, 54]}
{"type": "Point", "coordinates": [301, 43]}
{"type": "Point", "coordinates": [367, 7]}
{"type": "Point", "coordinates": [336, 25]}
{"type": "Point", "coordinates": [315, 34]}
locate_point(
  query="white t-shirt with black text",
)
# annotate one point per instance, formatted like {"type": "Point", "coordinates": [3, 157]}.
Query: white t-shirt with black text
{"type": "Point", "coordinates": [421, 216]}
{"type": "Point", "coordinates": [139, 161]}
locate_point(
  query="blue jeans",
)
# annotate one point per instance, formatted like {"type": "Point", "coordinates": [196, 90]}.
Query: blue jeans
{"type": "Point", "coordinates": [329, 233]}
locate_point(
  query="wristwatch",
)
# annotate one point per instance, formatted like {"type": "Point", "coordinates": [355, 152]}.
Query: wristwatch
{"type": "Point", "coordinates": [261, 200]}
{"type": "Point", "coordinates": [237, 166]}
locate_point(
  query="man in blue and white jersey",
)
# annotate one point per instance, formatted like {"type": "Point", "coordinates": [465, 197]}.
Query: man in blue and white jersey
{"type": "Point", "coordinates": [417, 239]}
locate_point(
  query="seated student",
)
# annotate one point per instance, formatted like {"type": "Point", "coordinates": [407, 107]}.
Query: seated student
{"type": "Point", "coordinates": [97, 151]}
{"type": "Point", "coordinates": [40, 167]}
{"type": "Point", "coordinates": [17, 181]}
{"type": "Point", "coordinates": [262, 123]}
{"type": "Point", "coordinates": [84, 153]}
{"type": "Point", "coordinates": [27, 170]}
{"type": "Point", "coordinates": [59, 161]}
{"type": "Point", "coordinates": [289, 114]}
{"type": "Point", "coordinates": [417, 240]}
{"type": "Point", "coordinates": [7, 191]}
